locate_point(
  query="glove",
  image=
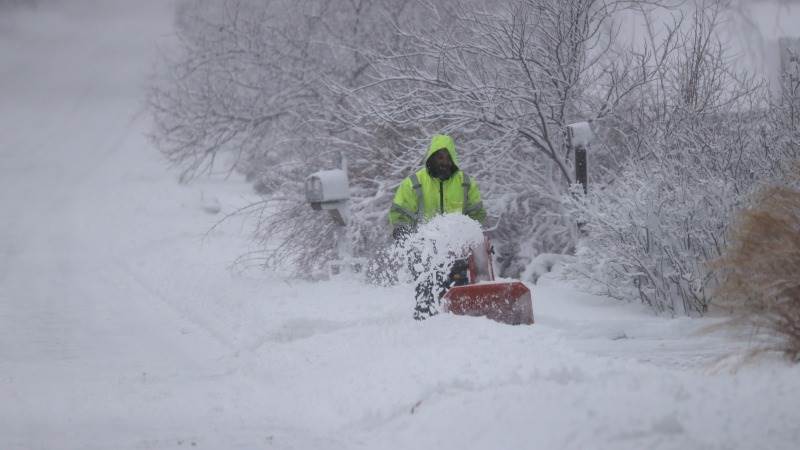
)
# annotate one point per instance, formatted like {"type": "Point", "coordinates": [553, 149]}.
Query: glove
{"type": "Point", "coordinates": [400, 232]}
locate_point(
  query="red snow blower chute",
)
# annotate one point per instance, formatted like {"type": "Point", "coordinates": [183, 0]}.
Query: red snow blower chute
{"type": "Point", "coordinates": [504, 301]}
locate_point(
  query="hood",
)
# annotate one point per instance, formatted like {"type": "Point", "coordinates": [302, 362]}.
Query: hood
{"type": "Point", "coordinates": [441, 141]}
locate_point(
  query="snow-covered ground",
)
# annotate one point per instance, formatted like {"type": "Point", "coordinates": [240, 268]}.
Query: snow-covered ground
{"type": "Point", "coordinates": [121, 326]}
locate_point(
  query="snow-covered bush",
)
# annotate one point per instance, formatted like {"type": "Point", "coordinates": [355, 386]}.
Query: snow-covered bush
{"type": "Point", "coordinates": [698, 144]}
{"type": "Point", "coordinates": [649, 237]}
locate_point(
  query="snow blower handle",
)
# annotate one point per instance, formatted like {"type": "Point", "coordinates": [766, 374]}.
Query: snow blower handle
{"type": "Point", "coordinates": [480, 262]}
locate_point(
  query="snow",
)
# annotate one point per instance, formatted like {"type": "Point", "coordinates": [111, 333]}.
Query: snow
{"type": "Point", "coordinates": [122, 325]}
{"type": "Point", "coordinates": [542, 264]}
{"type": "Point", "coordinates": [438, 243]}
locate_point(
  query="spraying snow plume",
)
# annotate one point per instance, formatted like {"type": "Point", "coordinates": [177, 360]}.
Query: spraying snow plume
{"type": "Point", "coordinates": [445, 237]}
{"type": "Point", "coordinates": [427, 255]}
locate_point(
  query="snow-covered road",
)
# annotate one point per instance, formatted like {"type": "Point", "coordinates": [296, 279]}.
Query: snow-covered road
{"type": "Point", "coordinates": [83, 340]}
{"type": "Point", "coordinates": [121, 326]}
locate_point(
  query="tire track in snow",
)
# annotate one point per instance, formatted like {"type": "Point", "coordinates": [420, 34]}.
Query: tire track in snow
{"type": "Point", "coordinates": [298, 329]}
{"type": "Point", "coordinates": [183, 315]}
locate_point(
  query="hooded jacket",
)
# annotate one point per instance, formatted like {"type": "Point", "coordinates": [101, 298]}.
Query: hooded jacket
{"type": "Point", "coordinates": [421, 196]}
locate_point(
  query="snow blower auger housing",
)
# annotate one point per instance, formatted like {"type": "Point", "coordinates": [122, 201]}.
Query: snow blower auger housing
{"type": "Point", "coordinates": [503, 301]}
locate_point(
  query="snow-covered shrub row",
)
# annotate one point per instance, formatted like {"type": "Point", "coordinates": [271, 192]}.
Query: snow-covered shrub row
{"type": "Point", "coordinates": [282, 88]}
{"type": "Point", "coordinates": [279, 89]}
{"type": "Point", "coordinates": [701, 139]}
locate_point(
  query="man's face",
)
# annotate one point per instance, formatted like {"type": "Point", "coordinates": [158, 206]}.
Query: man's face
{"type": "Point", "coordinates": [441, 164]}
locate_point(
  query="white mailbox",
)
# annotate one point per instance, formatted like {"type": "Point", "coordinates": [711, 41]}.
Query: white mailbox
{"type": "Point", "coordinates": [580, 134]}
{"type": "Point", "coordinates": [327, 189]}
{"type": "Point", "coordinates": [330, 189]}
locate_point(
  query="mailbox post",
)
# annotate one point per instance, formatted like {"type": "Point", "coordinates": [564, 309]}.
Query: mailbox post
{"type": "Point", "coordinates": [579, 135]}
{"type": "Point", "coordinates": [330, 190]}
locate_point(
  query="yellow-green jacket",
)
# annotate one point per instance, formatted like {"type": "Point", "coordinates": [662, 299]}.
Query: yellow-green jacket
{"type": "Point", "coordinates": [421, 196]}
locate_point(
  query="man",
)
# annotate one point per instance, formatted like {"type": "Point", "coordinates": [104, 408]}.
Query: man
{"type": "Point", "coordinates": [438, 188]}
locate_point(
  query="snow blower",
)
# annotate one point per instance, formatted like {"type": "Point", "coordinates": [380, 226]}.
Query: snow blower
{"type": "Point", "coordinates": [503, 301]}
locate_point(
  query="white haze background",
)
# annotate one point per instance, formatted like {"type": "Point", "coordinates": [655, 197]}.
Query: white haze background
{"type": "Point", "coordinates": [121, 326]}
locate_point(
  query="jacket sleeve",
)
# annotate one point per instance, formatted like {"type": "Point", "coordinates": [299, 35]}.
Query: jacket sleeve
{"type": "Point", "coordinates": [474, 207]}
{"type": "Point", "coordinates": [404, 206]}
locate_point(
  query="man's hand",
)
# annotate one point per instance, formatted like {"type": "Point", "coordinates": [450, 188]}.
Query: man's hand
{"type": "Point", "coordinates": [401, 232]}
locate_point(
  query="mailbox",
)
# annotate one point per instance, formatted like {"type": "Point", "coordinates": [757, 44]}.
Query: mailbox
{"type": "Point", "coordinates": [330, 190]}
{"type": "Point", "coordinates": [580, 134]}
{"type": "Point", "coordinates": [327, 189]}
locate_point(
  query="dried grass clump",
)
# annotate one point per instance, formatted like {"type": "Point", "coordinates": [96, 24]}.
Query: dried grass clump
{"type": "Point", "coordinates": [761, 268]}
